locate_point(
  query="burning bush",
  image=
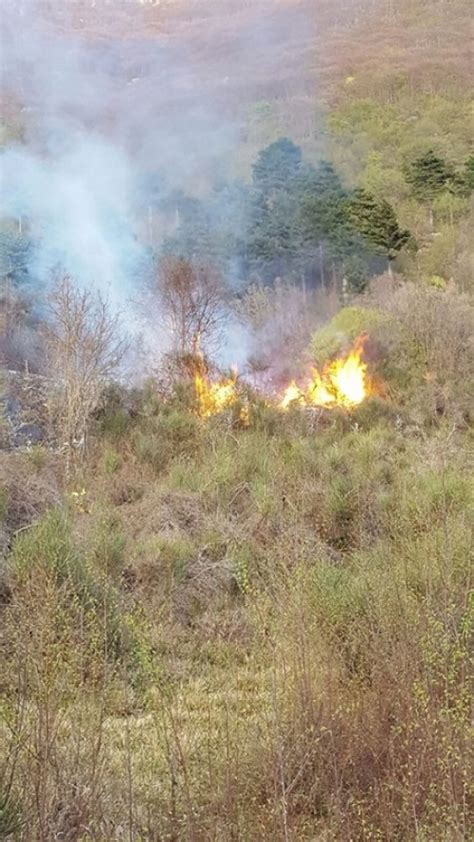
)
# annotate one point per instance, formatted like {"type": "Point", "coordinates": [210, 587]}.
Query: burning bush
{"type": "Point", "coordinates": [342, 382]}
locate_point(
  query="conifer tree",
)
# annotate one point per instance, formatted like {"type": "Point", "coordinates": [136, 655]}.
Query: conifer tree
{"type": "Point", "coordinates": [428, 175]}
{"type": "Point", "coordinates": [277, 166]}
{"type": "Point", "coordinates": [15, 255]}
{"type": "Point", "coordinates": [469, 172]}
{"type": "Point", "coordinates": [377, 223]}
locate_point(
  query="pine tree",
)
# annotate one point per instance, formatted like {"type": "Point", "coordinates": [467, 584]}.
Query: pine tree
{"type": "Point", "coordinates": [377, 223]}
{"type": "Point", "coordinates": [274, 244]}
{"type": "Point", "coordinates": [469, 173]}
{"type": "Point", "coordinates": [277, 166]}
{"type": "Point", "coordinates": [428, 176]}
{"type": "Point", "coordinates": [15, 256]}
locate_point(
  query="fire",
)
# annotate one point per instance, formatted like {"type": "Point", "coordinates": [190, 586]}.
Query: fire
{"type": "Point", "coordinates": [342, 382]}
{"type": "Point", "coordinates": [214, 397]}
{"type": "Point", "coordinates": [293, 394]}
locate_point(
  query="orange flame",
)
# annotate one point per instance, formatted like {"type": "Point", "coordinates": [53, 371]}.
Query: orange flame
{"type": "Point", "coordinates": [342, 382]}
{"type": "Point", "coordinates": [214, 397]}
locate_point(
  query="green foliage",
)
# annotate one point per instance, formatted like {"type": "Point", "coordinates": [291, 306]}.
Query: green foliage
{"type": "Point", "coordinates": [11, 817]}
{"type": "Point", "coordinates": [47, 544]}
{"type": "Point", "coordinates": [37, 456]}
{"type": "Point", "coordinates": [297, 220]}
{"type": "Point", "coordinates": [438, 259]}
{"type": "Point", "coordinates": [345, 326]}
{"type": "Point", "coordinates": [15, 254]}
{"type": "Point", "coordinates": [107, 544]}
{"type": "Point", "coordinates": [168, 434]}
{"type": "Point", "coordinates": [469, 172]}
{"type": "Point", "coordinates": [116, 423]}
{"type": "Point", "coordinates": [277, 166]}
{"type": "Point", "coordinates": [377, 139]}
{"type": "Point", "coordinates": [377, 223]}
{"type": "Point", "coordinates": [4, 500]}
{"type": "Point", "coordinates": [174, 556]}
{"type": "Point", "coordinates": [428, 175]}
{"type": "Point", "coordinates": [112, 462]}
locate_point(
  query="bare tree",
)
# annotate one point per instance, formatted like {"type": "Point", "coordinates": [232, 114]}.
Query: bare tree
{"type": "Point", "coordinates": [194, 302]}
{"type": "Point", "coordinates": [84, 347]}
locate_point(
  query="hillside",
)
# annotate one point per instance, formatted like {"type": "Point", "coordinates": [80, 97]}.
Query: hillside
{"type": "Point", "coordinates": [294, 54]}
{"type": "Point", "coordinates": [236, 421]}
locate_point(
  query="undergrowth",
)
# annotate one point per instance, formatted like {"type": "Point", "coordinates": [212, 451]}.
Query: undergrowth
{"type": "Point", "coordinates": [270, 641]}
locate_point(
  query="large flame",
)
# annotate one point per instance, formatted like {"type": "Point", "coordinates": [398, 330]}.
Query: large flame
{"type": "Point", "coordinates": [342, 382]}
{"type": "Point", "coordinates": [214, 397]}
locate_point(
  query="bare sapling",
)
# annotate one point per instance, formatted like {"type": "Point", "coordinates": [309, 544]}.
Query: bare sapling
{"type": "Point", "coordinates": [84, 347]}
{"type": "Point", "coordinates": [193, 300]}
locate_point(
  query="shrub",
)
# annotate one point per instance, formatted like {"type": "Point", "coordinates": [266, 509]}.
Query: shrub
{"type": "Point", "coordinates": [112, 462]}
{"type": "Point", "coordinates": [107, 545]}
{"type": "Point", "coordinates": [170, 434]}
{"type": "Point", "coordinates": [344, 328]}
{"type": "Point", "coordinates": [11, 818]}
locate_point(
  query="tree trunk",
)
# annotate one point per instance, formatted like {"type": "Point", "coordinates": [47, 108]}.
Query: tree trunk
{"type": "Point", "coordinates": [345, 292]}
{"type": "Point", "coordinates": [303, 285]}
{"type": "Point", "coordinates": [431, 217]}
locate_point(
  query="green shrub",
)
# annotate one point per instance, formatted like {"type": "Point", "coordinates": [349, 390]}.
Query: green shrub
{"type": "Point", "coordinates": [112, 462]}
{"type": "Point", "coordinates": [4, 499]}
{"type": "Point", "coordinates": [345, 327]}
{"type": "Point", "coordinates": [175, 554]}
{"type": "Point", "coordinates": [166, 436]}
{"type": "Point", "coordinates": [37, 456]}
{"type": "Point", "coordinates": [11, 817]}
{"type": "Point", "coordinates": [47, 544]}
{"type": "Point", "coordinates": [107, 545]}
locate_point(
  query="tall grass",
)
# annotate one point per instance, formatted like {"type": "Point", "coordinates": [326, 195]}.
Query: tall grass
{"type": "Point", "coordinates": [271, 642]}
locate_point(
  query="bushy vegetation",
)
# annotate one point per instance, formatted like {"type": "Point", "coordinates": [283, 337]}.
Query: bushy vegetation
{"type": "Point", "coordinates": [255, 623]}
{"type": "Point", "coordinates": [256, 633]}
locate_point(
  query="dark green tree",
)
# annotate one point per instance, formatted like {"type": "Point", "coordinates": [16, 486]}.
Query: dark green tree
{"type": "Point", "coordinates": [322, 180]}
{"type": "Point", "coordinates": [274, 238]}
{"type": "Point", "coordinates": [323, 219]}
{"type": "Point", "coordinates": [277, 166]}
{"type": "Point", "coordinates": [274, 235]}
{"type": "Point", "coordinates": [376, 222]}
{"type": "Point", "coordinates": [462, 183]}
{"type": "Point", "coordinates": [469, 173]}
{"type": "Point", "coordinates": [212, 229]}
{"type": "Point", "coordinates": [15, 256]}
{"type": "Point", "coordinates": [428, 175]}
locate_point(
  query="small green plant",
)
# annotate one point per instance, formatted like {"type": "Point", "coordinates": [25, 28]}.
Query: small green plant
{"type": "Point", "coordinates": [36, 456]}
{"type": "Point", "coordinates": [108, 545]}
{"type": "Point", "coordinates": [11, 818]}
{"type": "Point", "coordinates": [4, 499]}
{"type": "Point", "coordinates": [112, 462]}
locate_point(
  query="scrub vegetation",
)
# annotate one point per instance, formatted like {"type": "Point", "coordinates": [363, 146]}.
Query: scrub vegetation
{"type": "Point", "coordinates": [225, 619]}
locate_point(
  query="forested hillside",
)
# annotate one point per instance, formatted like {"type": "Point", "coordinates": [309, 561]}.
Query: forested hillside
{"type": "Point", "coordinates": [236, 420]}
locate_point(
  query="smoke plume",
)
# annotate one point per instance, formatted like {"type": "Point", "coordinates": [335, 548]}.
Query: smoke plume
{"type": "Point", "coordinates": [111, 122]}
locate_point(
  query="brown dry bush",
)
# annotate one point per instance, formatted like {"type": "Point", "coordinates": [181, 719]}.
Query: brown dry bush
{"type": "Point", "coordinates": [27, 490]}
{"type": "Point", "coordinates": [427, 347]}
{"type": "Point", "coordinates": [280, 319]}
{"type": "Point", "coordinates": [192, 298]}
